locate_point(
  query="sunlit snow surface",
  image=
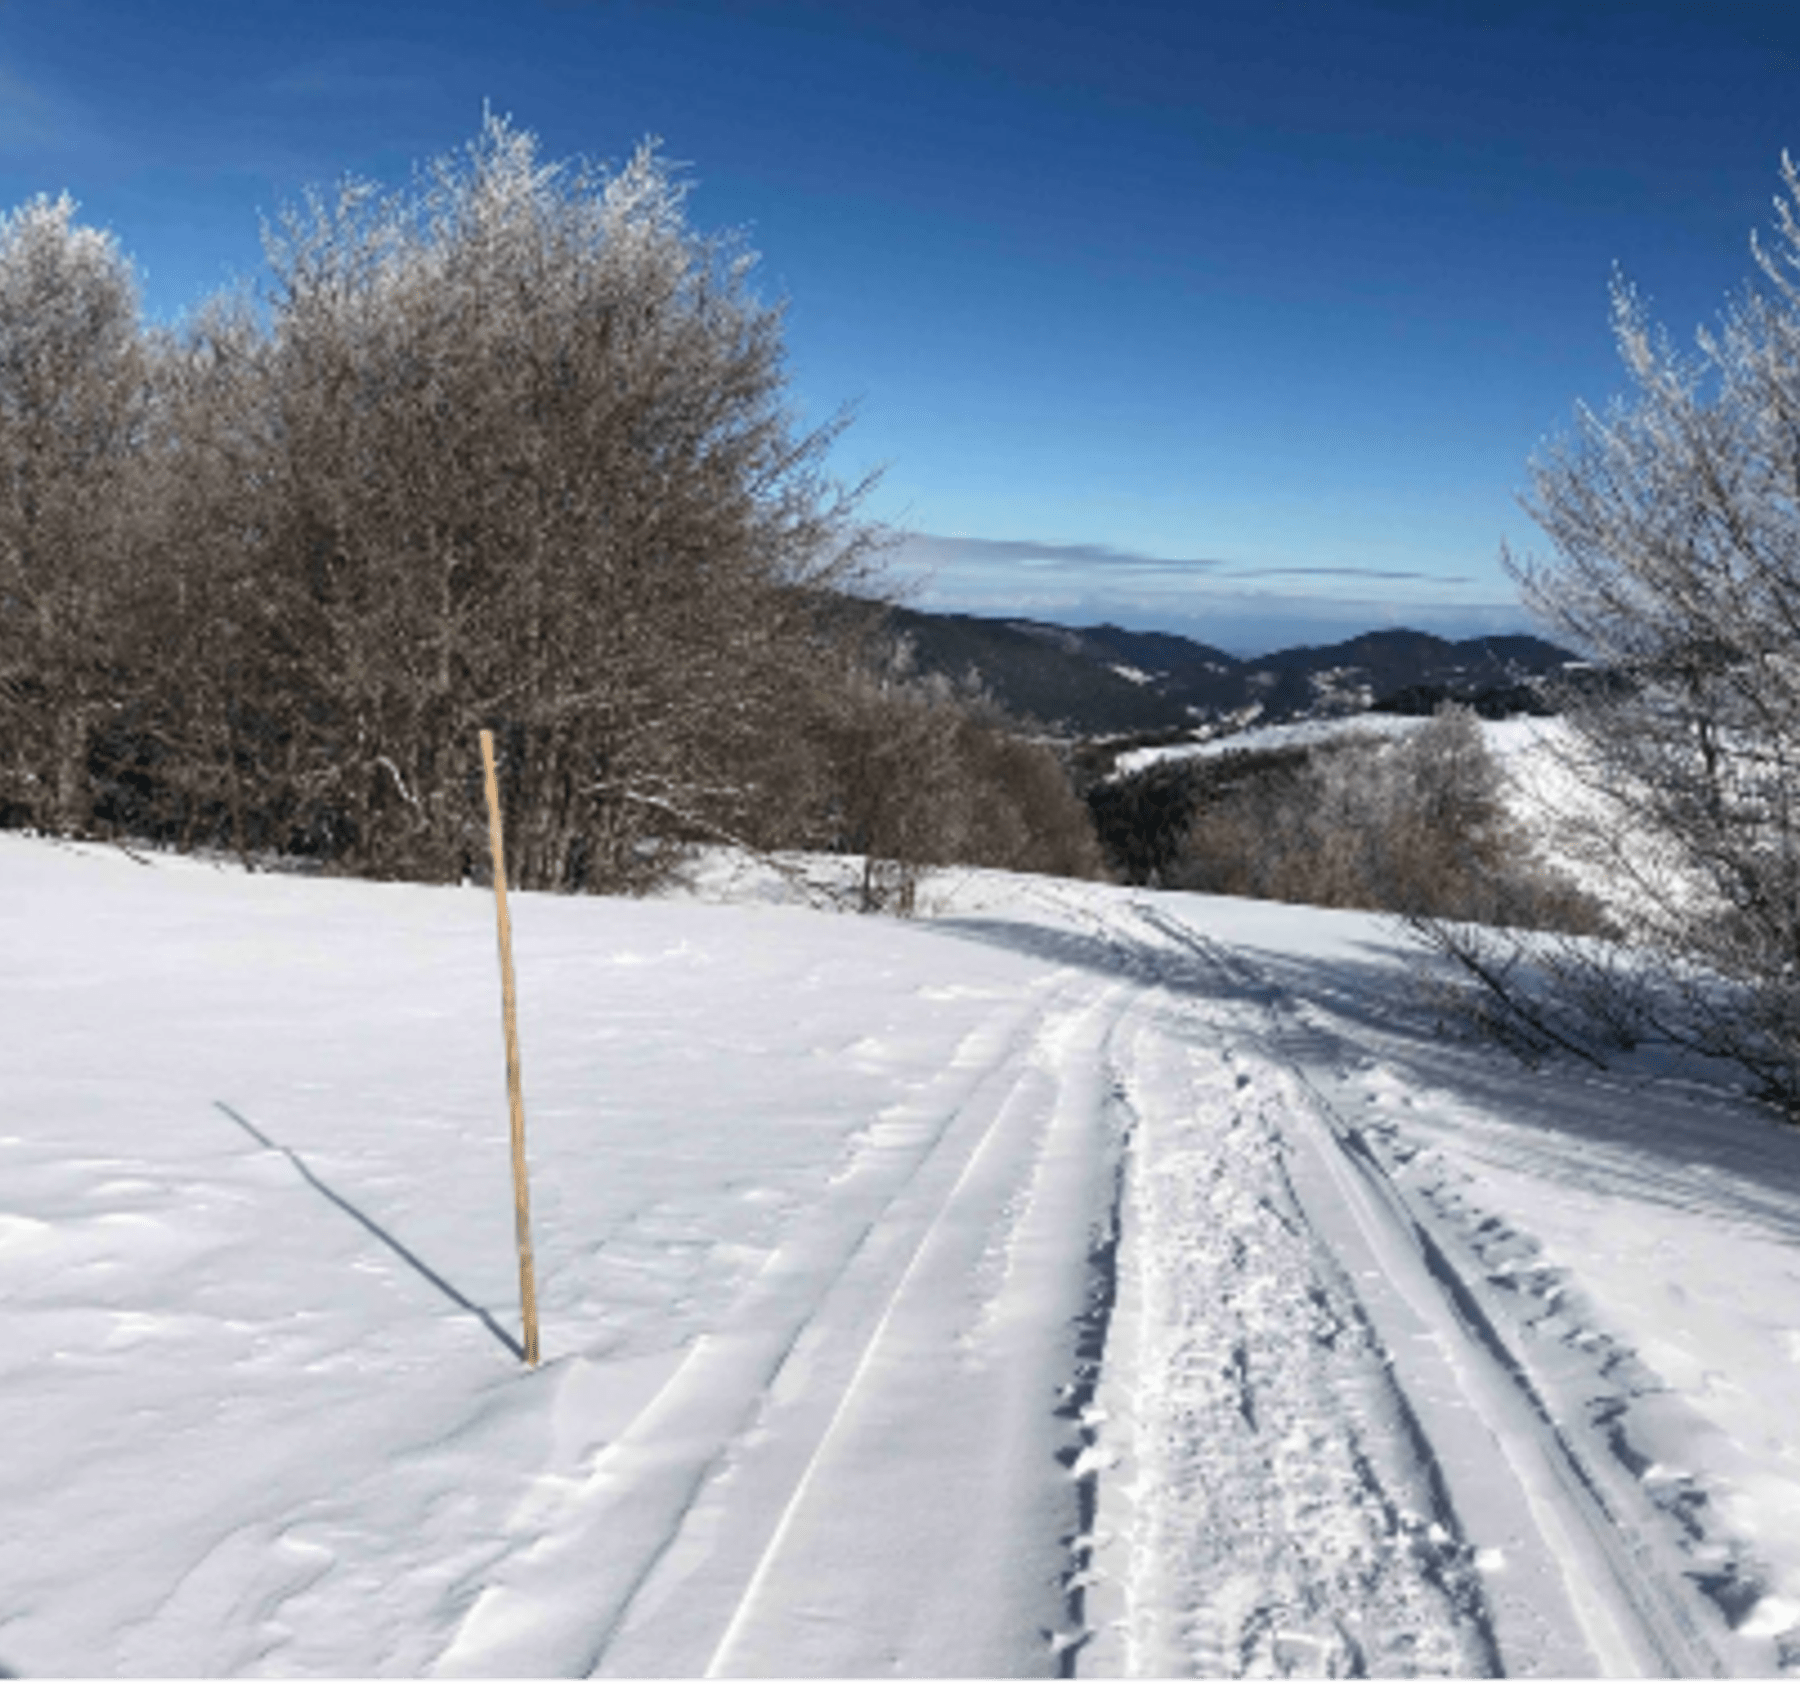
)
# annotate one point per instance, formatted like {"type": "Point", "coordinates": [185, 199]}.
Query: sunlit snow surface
{"type": "Point", "coordinates": [1073, 1279]}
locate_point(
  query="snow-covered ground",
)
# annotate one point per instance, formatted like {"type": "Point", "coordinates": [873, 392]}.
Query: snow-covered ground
{"type": "Point", "coordinates": [1075, 1279]}
{"type": "Point", "coordinates": [1297, 733]}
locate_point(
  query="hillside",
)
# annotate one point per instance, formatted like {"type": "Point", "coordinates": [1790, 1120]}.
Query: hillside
{"type": "Point", "coordinates": [1103, 680]}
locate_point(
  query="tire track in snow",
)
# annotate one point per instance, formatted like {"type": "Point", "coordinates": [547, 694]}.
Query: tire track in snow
{"type": "Point", "coordinates": [668, 1549]}
{"type": "Point", "coordinates": [1577, 1593]}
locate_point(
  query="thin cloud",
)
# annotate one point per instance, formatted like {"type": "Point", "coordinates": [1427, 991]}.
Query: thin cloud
{"type": "Point", "coordinates": [1228, 603]}
{"type": "Point", "coordinates": [1347, 573]}
{"type": "Point", "coordinates": [1022, 557]}
{"type": "Point", "coordinates": [931, 549]}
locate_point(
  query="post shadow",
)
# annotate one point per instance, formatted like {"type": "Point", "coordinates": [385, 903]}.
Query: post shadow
{"type": "Point", "coordinates": [411, 1259]}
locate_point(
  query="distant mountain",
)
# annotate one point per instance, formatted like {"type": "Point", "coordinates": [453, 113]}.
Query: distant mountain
{"type": "Point", "coordinates": [1105, 681]}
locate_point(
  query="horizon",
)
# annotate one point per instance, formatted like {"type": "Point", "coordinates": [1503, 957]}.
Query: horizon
{"type": "Point", "coordinates": [1243, 325]}
{"type": "Point", "coordinates": [1248, 656]}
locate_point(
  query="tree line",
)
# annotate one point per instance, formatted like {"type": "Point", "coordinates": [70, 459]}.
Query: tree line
{"type": "Point", "coordinates": [507, 448]}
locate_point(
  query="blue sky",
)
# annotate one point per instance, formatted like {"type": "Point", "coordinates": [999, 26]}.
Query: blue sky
{"type": "Point", "coordinates": [1238, 319]}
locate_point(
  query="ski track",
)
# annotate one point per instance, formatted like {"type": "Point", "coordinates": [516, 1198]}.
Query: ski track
{"type": "Point", "coordinates": [1268, 1508]}
{"type": "Point", "coordinates": [712, 1536]}
{"type": "Point", "coordinates": [1327, 1383]}
{"type": "Point", "coordinates": [1256, 1408]}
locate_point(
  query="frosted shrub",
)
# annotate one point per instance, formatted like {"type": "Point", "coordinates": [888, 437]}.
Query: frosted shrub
{"type": "Point", "coordinates": [1413, 826]}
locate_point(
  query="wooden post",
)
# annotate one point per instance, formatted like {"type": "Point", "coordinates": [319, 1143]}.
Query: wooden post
{"type": "Point", "coordinates": [514, 1093]}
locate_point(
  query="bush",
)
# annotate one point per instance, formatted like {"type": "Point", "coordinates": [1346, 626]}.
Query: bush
{"type": "Point", "coordinates": [509, 449]}
{"type": "Point", "coordinates": [1416, 826]}
{"type": "Point", "coordinates": [1143, 818]}
{"type": "Point", "coordinates": [916, 776]}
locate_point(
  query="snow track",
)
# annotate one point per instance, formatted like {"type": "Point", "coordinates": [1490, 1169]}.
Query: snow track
{"type": "Point", "coordinates": [1271, 1507]}
{"type": "Point", "coordinates": [1243, 1414]}
{"type": "Point", "coordinates": [1073, 1281]}
{"type": "Point", "coordinates": [804, 1487]}
{"type": "Point", "coordinates": [1342, 1465]}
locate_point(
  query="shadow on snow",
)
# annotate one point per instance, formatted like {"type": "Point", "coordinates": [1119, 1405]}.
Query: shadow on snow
{"type": "Point", "coordinates": [411, 1259]}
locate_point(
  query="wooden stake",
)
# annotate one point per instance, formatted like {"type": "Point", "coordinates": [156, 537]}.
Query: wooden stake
{"type": "Point", "coordinates": [514, 1093]}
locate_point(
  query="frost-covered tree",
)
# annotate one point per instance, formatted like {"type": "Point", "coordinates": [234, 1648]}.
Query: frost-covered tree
{"type": "Point", "coordinates": [1675, 522]}
{"type": "Point", "coordinates": [509, 448]}
{"type": "Point", "coordinates": [531, 467]}
{"type": "Point", "coordinates": [209, 742]}
{"type": "Point", "coordinates": [73, 402]}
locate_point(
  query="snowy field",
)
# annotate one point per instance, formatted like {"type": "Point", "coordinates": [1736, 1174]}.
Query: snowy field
{"type": "Point", "coordinates": [1077, 1279]}
{"type": "Point", "coordinates": [1299, 733]}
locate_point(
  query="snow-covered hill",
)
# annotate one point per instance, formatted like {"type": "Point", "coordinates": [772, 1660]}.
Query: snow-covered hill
{"type": "Point", "coordinates": [1296, 733]}
{"type": "Point", "coordinates": [1537, 757]}
{"type": "Point", "coordinates": [1076, 1278]}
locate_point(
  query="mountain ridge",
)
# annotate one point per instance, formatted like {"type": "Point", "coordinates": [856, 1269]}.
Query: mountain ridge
{"type": "Point", "coordinates": [1106, 680]}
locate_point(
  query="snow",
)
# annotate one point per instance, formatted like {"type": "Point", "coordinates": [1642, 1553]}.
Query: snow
{"type": "Point", "coordinates": [1073, 1278]}
{"type": "Point", "coordinates": [1298, 733]}
{"type": "Point", "coordinates": [1557, 794]}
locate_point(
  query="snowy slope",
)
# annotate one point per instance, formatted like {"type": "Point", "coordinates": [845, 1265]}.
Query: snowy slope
{"type": "Point", "coordinates": [1076, 1279]}
{"type": "Point", "coordinates": [1542, 788]}
{"type": "Point", "coordinates": [1298, 733]}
